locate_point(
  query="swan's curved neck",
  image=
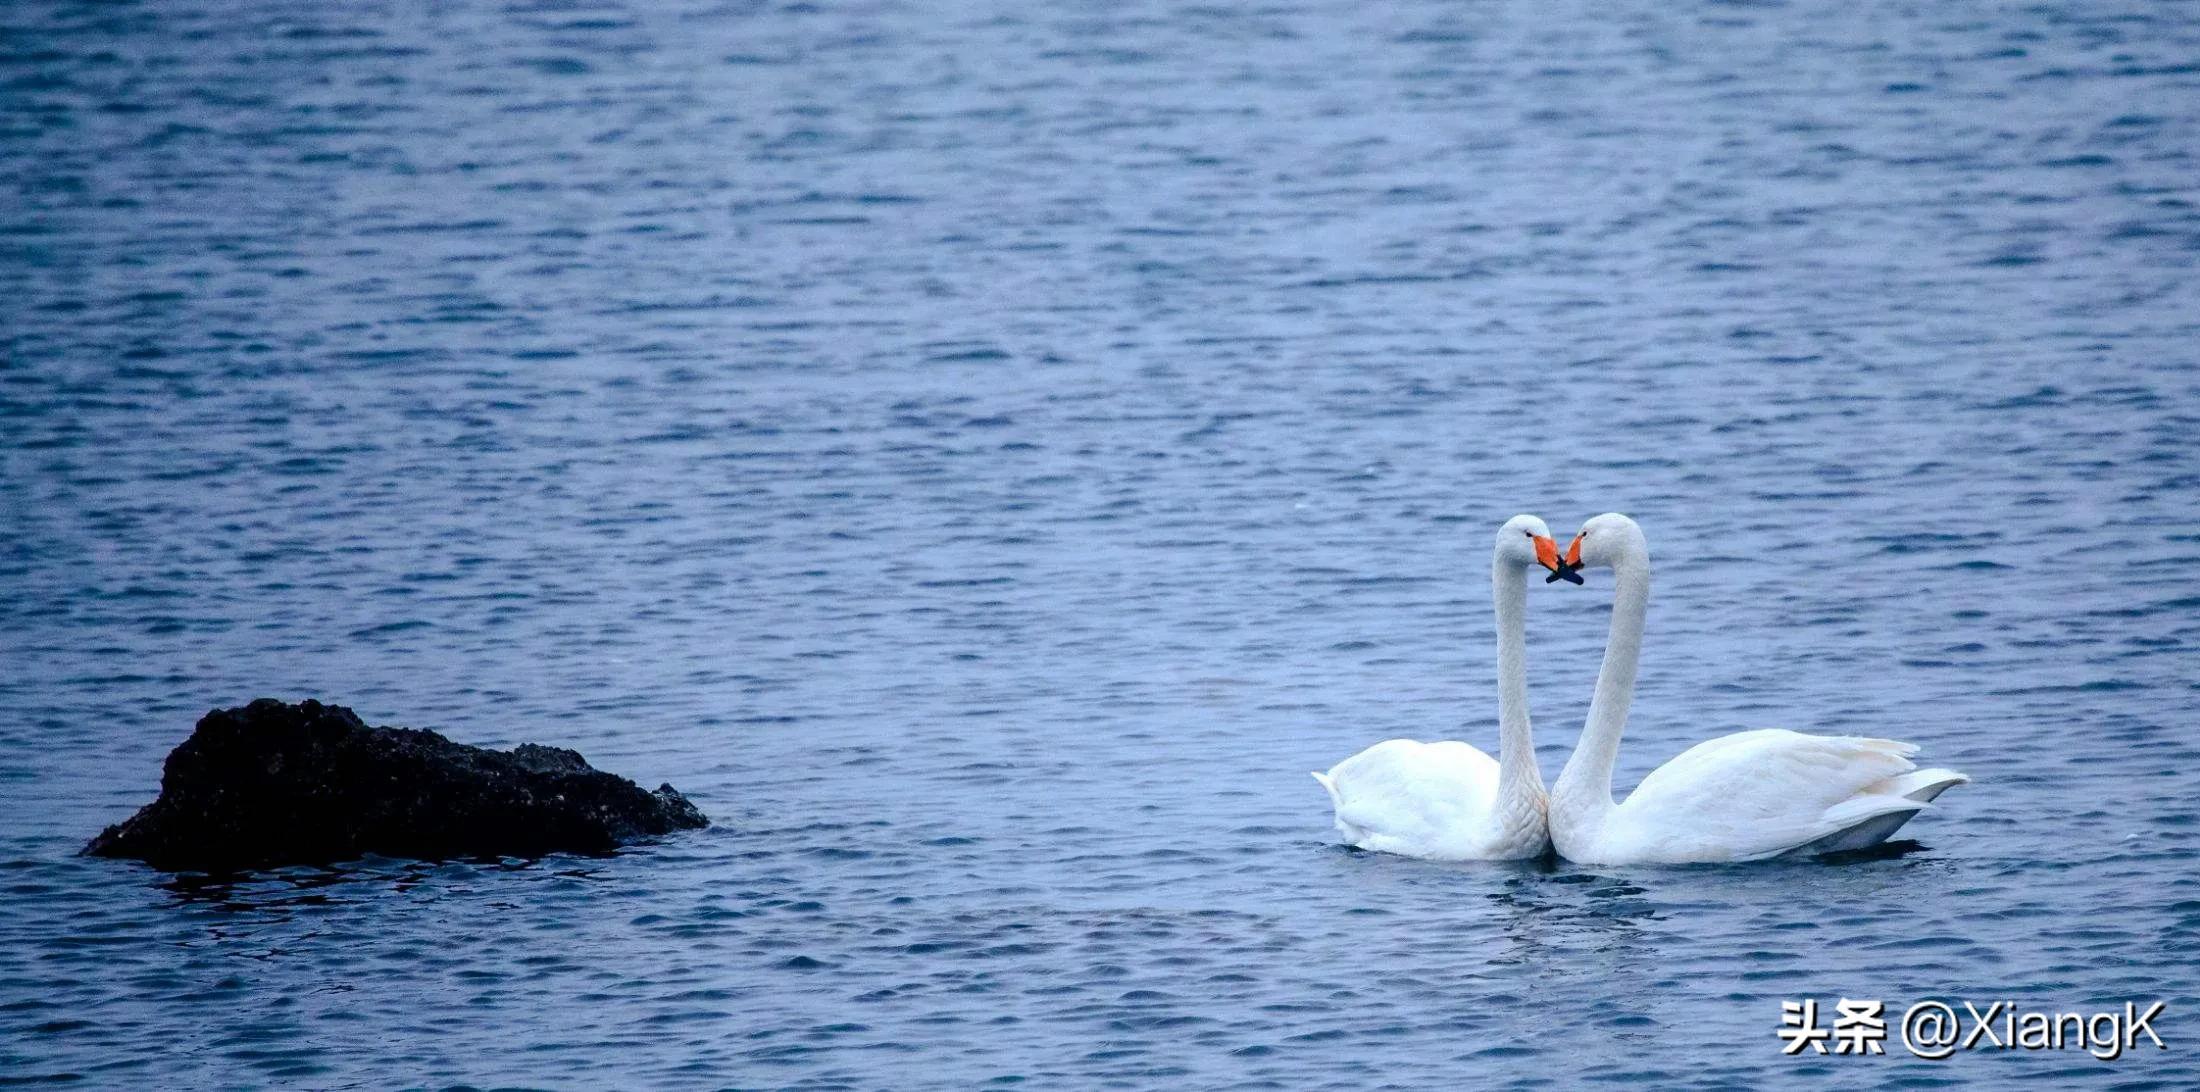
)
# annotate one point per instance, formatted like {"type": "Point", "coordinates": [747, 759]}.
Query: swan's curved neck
{"type": "Point", "coordinates": [1584, 788]}
{"type": "Point", "coordinates": [1516, 769]}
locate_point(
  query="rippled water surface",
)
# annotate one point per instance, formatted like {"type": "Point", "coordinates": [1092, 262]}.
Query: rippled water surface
{"type": "Point", "coordinates": [987, 455]}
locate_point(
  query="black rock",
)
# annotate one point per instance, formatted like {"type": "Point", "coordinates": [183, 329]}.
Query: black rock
{"type": "Point", "coordinates": [274, 784]}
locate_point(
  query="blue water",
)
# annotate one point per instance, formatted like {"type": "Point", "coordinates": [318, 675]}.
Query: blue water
{"type": "Point", "coordinates": [986, 455]}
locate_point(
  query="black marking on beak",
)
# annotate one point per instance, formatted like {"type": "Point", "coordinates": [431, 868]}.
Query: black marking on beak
{"type": "Point", "coordinates": [1564, 572]}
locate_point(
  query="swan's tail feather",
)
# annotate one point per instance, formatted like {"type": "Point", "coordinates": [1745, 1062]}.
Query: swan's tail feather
{"type": "Point", "coordinates": [1921, 785]}
{"type": "Point", "coordinates": [1353, 835]}
{"type": "Point", "coordinates": [1330, 785]}
{"type": "Point", "coordinates": [1873, 815]}
{"type": "Point", "coordinates": [1859, 823]}
{"type": "Point", "coordinates": [1857, 809]}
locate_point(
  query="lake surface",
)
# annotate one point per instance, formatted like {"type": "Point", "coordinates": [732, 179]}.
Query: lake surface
{"type": "Point", "coordinates": [987, 455]}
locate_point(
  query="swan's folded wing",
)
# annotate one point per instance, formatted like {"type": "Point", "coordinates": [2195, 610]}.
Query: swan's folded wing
{"type": "Point", "coordinates": [1754, 794]}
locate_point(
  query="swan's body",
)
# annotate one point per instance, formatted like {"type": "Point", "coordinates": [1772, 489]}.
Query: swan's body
{"type": "Point", "coordinates": [1448, 801]}
{"type": "Point", "coordinates": [1741, 797]}
{"type": "Point", "coordinates": [1438, 801]}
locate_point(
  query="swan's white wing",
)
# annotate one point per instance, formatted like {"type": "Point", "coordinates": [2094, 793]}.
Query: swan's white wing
{"type": "Point", "coordinates": [1403, 796]}
{"type": "Point", "coordinates": [1757, 794]}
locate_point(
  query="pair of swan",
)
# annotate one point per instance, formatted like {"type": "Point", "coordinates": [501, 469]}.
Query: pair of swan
{"type": "Point", "coordinates": [1742, 797]}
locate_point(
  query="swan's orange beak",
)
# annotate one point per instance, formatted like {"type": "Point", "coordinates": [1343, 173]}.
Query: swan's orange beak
{"type": "Point", "coordinates": [1546, 552]}
{"type": "Point", "coordinates": [1567, 568]}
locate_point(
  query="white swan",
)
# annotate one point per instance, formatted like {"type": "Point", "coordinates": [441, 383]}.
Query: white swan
{"type": "Point", "coordinates": [1448, 801]}
{"type": "Point", "coordinates": [1741, 797]}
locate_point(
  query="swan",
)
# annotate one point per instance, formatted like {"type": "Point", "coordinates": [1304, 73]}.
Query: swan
{"type": "Point", "coordinates": [1448, 801]}
{"type": "Point", "coordinates": [1742, 797]}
